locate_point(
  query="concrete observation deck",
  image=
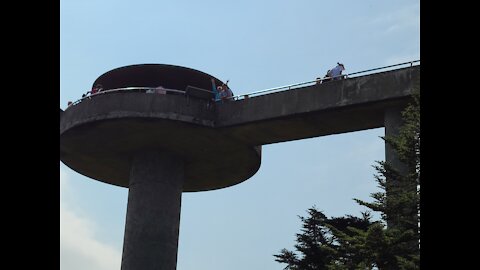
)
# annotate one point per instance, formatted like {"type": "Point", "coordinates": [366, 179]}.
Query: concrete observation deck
{"type": "Point", "coordinates": [333, 107]}
{"type": "Point", "coordinates": [159, 145]}
{"type": "Point", "coordinates": [100, 135]}
{"type": "Point", "coordinates": [221, 143]}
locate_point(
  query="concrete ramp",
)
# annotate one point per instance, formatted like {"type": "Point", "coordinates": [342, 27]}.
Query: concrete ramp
{"type": "Point", "coordinates": [330, 108]}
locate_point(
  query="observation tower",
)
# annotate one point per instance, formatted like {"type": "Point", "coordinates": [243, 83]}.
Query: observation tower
{"type": "Point", "coordinates": [155, 130]}
{"type": "Point", "coordinates": [157, 146]}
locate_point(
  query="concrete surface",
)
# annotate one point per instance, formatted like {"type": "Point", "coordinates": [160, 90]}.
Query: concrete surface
{"type": "Point", "coordinates": [153, 212]}
{"type": "Point", "coordinates": [220, 144]}
{"type": "Point", "coordinates": [329, 108]}
{"type": "Point", "coordinates": [160, 145]}
{"type": "Point", "coordinates": [99, 137]}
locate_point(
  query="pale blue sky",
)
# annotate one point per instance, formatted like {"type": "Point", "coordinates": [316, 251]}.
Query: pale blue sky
{"type": "Point", "coordinates": [257, 45]}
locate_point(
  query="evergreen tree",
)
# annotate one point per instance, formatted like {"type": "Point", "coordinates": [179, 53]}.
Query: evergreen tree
{"type": "Point", "coordinates": [357, 243]}
{"type": "Point", "coordinates": [317, 247]}
{"type": "Point", "coordinates": [397, 246]}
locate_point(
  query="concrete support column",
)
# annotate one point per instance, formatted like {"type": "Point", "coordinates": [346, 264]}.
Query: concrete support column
{"type": "Point", "coordinates": [153, 212]}
{"type": "Point", "coordinates": [393, 121]}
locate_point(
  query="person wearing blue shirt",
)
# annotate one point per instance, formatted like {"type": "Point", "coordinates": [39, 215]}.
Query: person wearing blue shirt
{"type": "Point", "coordinates": [222, 93]}
{"type": "Point", "coordinates": [216, 91]}
{"type": "Point", "coordinates": [336, 72]}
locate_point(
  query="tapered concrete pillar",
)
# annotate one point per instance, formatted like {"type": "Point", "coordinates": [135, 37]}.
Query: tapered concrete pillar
{"type": "Point", "coordinates": [153, 212]}
{"type": "Point", "coordinates": [393, 122]}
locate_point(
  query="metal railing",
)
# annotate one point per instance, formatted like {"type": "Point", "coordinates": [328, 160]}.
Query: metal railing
{"type": "Point", "coordinates": [326, 79]}
{"type": "Point", "coordinates": [256, 93]}
{"type": "Point", "coordinates": [128, 89]}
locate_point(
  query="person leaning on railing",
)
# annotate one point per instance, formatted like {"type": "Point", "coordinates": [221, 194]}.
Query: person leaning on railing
{"type": "Point", "coordinates": [333, 74]}
{"type": "Point", "coordinates": [216, 90]}
{"type": "Point", "coordinates": [227, 93]}
{"type": "Point", "coordinates": [97, 88]}
{"type": "Point", "coordinates": [336, 72]}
